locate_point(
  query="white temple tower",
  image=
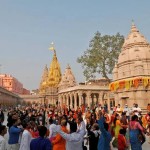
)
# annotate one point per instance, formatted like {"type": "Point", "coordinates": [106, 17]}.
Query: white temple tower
{"type": "Point", "coordinates": [131, 75]}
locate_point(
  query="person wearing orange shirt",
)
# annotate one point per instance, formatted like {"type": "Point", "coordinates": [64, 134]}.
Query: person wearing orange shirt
{"type": "Point", "coordinates": [59, 143]}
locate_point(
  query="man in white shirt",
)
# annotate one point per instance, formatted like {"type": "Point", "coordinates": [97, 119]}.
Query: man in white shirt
{"type": "Point", "coordinates": [3, 131]}
{"type": "Point", "coordinates": [74, 141]}
{"type": "Point", "coordinates": [26, 137]}
{"type": "Point", "coordinates": [127, 111]}
{"type": "Point", "coordinates": [52, 127]}
{"type": "Point", "coordinates": [137, 110]}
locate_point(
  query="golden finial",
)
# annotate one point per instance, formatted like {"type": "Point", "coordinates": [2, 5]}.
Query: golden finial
{"type": "Point", "coordinates": [52, 47]}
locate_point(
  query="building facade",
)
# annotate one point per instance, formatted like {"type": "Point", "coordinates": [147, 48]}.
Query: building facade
{"type": "Point", "coordinates": [12, 84]}
{"type": "Point", "coordinates": [131, 74]}
{"type": "Point", "coordinates": [8, 98]}
{"type": "Point", "coordinates": [88, 94]}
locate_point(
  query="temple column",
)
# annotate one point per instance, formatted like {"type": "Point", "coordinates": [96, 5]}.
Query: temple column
{"type": "Point", "coordinates": [71, 103]}
{"type": "Point", "coordinates": [59, 100]}
{"type": "Point", "coordinates": [75, 101]}
{"type": "Point", "coordinates": [64, 101]}
{"type": "Point", "coordinates": [100, 99]}
{"type": "Point", "coordinates": [67, 100]}
{"type": "Point", "coordinates": [80, 99]}
{"type": "Point", "coordinates": [108, 101]}
{"type": "Point", "coordinates": [88, 99]}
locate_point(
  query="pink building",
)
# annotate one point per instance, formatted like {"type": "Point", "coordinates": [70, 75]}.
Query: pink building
{"type": "Point", "coordinates": [26, 92]}
{"type": "Point", "coordinates": [11, 84]}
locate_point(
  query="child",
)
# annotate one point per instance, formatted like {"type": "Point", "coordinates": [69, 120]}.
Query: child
{"type": "Point", "coordinates": [122, 143]}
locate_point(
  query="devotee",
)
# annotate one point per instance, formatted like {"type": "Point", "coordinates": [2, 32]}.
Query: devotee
{"type": "Point", "coordinates": [148, 125]}
{"type": "Point", "coordinates": [74, 140]}
{"type": "Point", "coordinates": [80, 123]}
{"type": "Point", "coordinates": [148, 107]}
{"type": "Point", "coordinates": [136, 109]}
{"type": "Point", "coordinates": [112, 123]}
{"type": "Point", "coordinates": [41, 143]}
{"type": "Point", "coordinates": [26, 137]}
{"type": "Point", "coordinates": [127, 111]}
{"type": "Point", "coordinates": [105, 137]}
{"type": "Point", "coordinates": [122, 143]}
{"type": "Point", "coordinates": [135, 129]}
{"type": "Point", "coordinates": [3, 131]}
{"type": "Point", "coordinates": [71, 120]}
{"type": "Point", "coordinates": [119, 109]}
{"type": "Point", "coordinates": [52, 127]}
{"type": "Point", "coordinates": [123, 120]}
{"type": "Point", "coordinates": [93, 134]}
{"type": "Point", "coordinates": [14, 133]}
{"type": "Point", "coordinates": [1, 116]}
{"type": "Point", "coordinates": [117, 126]}
{"type": "Point", "coordinates": [58, 142]}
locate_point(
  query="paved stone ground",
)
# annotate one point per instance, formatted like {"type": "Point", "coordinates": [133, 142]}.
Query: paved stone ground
{"type": "Point", "coordinates": [146, 145]}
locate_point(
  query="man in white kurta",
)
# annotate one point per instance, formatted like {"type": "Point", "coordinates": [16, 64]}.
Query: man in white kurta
{"type": "Point", "coordinates": [25, 141]}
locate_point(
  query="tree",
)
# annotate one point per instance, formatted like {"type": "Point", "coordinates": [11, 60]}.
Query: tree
{"type": "Point", "coordinates": [101, 56]}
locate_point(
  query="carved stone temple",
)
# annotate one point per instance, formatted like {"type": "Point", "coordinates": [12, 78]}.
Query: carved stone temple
{"type": "Point", "coordinates": [131, 74]}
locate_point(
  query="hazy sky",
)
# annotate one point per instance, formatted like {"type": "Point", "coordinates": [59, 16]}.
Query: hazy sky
{"type": "Point", "coordinates": [27, 27]}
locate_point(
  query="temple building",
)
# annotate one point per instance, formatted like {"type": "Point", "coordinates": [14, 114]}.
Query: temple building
{"type": "Point", "coordinates": [131, 74]}
{"type": "Point", "coordinates": [75, 95]}
{"type": "Point", "coordinates": [65, 91]}
{"type": "Point", "coordinates": [50, 80]}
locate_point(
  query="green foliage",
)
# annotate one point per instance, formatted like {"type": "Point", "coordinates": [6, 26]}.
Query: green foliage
{"type": "Point", "coordinates": [101, 55]}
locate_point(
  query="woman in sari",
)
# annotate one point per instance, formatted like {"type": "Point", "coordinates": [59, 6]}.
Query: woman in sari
{"type": "Point", "coordinates": [135, 129]}
{"type": "Point", "coordinates": [118, 125]}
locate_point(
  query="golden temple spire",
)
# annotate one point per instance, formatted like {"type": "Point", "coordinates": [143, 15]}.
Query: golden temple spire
{"type": "Point", "coordinates": [54, 75]}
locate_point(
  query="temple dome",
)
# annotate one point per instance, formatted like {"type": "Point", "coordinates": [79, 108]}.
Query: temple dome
{"type": "Point", "coordinates": [134, 57]}
{"type": "Point", "coordinates": [134, 38]}
{"type": "Point", "coordinates": [68, 79]}
{"type": "Point", "coordinates": [135, 45]}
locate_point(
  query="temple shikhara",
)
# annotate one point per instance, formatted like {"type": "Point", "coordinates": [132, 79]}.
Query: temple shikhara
{"type": "Point", "coordinates": [63, 89]}
{"type": "Point", "coordinates": [131, 74]}
{"type": "Point", "coordinates": [50, 81]}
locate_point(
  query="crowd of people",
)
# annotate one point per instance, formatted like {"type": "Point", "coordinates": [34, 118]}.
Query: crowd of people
{"type": "Point", "coordinates": [49, 127]}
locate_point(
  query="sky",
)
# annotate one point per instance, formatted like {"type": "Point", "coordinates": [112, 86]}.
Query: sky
{"type": "Point", "coordinates": [27, 28]}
